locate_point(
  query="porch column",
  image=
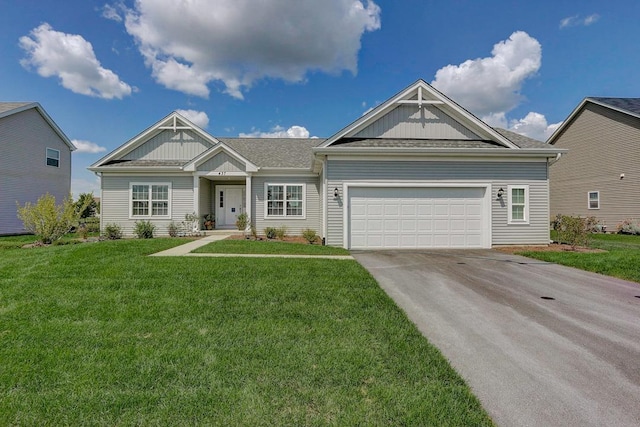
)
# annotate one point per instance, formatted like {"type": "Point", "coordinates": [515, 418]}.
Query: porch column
{"type": "Point", "coordinates": [196, 201]}
{"type": "Point", "coordinates": [247, 192]}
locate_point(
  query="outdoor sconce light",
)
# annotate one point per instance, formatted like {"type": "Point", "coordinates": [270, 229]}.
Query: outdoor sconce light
{"type": "Point", "coordinates": [500, 193]}
{"type": "Point", "coordinates": [336, 193]}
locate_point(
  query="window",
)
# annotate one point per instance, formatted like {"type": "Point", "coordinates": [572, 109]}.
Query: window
{"type": "Point", "coordinates": [285, 200]}
{"type": "Point", "coordinates": [518, 204]}
{"type": "Point", "coordinates": [150, 200]}
{"type": "Point", "coordinates": [594, 199]}
{"type": "Point", "coordinates": [53, 157]}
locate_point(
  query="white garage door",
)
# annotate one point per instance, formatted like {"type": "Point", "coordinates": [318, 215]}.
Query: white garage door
{"type": "Point", "coordinates": [411, 218]}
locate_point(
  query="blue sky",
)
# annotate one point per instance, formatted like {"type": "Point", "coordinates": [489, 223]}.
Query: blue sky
{"type": "Point", "coordinates": [107, 70]}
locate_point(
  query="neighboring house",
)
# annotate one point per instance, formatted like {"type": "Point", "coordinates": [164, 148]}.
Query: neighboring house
{"type": "Point", "coordinates": [35, 160]}
{"type": "Point", "coordinates": [600, 176]}
{"type": "Point", "coordinates": [418, 171]}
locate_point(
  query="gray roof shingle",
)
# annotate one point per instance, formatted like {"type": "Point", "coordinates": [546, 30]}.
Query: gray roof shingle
{"type": "Point", "coordinates": [149, 163]}
{"type": "Point", "coordinates": [521, 140]}
{"type": "Point", "coordinates": [631, 105]}
{"type": "Point", "coordinates": [275, 152]}
{"type": "Point", "coordinates": [414, 143]}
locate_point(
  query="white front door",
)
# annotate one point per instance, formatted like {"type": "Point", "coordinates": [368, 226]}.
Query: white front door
{"type": "Point", "coordinates": [228, 205]}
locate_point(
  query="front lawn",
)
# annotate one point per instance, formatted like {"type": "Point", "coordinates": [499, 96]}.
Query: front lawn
{"type": "Point", "coordinates": [621, 260]}
{"type": "Point", "coordinates": [271, 247]}
{"type": "Point", "coordinates": [101, 334]}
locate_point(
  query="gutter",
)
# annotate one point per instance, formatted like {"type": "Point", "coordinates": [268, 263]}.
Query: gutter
{"type": "Point", "coordinates": [479, 152]}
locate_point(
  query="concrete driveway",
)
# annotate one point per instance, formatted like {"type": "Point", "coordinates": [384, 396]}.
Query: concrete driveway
{"type": "Point", "coordinates": [539, 344]}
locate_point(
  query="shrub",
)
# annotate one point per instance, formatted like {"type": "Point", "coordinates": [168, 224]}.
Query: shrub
{"type": "Point", "coordinates": [242, 221]}
{"type": "Point", "coordinates": [173, 229]}
{"type": "Point", "coordinates": [48, 221]}
{"type": "Point", "coordinates": [92, 224]}
{"type": "Point", "coordinates": [86, 205]}
{"type": "Point", "coordinates": [629, 226]}
{"type": "Point", "coordinates": [281, 232]}
{"type": "Point", "coordinates": [270, 232]}
{"type": "Point", "coordinates": [310, 235]}
{"type": "Point", "coordinates": [573, 230]}
{"type": "Point", "coordinates": [144, 229]}
{"type": "Point", "coordinates": [112, 231]}
{"type": "Point", "coordinates": [254, 232]}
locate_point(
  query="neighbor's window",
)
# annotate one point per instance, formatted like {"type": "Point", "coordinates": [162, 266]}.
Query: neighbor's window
{"type": "Point", "coordinates": [150, 200]}
{"type": "Point", "coordinates": [285, 200]}
{"type": "Point", "coordinates": [53, 157]}
{"type": "Point", "coordinates": [519, 204]}
{"type": "Point", "coordinates": [594, 199]}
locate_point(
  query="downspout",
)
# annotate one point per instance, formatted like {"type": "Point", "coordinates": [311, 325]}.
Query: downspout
{"type": "Point", "coordinates": [550, 162]}
{"type": "Point", "coordinates": [324, 200]}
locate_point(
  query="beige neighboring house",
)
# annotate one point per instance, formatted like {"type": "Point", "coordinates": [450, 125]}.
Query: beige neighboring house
{"type": "Point", "coordinates": [600, 175]}
{"type": "Point", "coordinates": [36, 159]}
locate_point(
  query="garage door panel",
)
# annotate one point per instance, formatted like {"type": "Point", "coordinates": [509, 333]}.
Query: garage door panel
{"type": "Point", "coordinates": [420, 217]}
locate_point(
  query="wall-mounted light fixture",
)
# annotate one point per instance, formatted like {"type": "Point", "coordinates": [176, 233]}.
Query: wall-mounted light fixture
{"type": "Point", "coordinates": [500, 193]}
{"type": "Point", "coordinates": [621, 176]}
{"type": "Point", "coordinates": [336, 193]}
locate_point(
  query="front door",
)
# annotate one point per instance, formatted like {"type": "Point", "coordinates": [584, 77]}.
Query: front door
{"type": "Point", "coordinates": [228, 205]}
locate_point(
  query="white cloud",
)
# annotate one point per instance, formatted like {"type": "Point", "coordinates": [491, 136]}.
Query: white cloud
{"type": "Point", "coordinates": [577, 20]}
{"type": "Point", "coordinates": [198, 118]}
{"type": "Point", "coordinates": [189, 45]}
{"type": "Point", "coordinates": [87, 147]}
{"type": "Point", "coordinates": [534, 125]}
{"type": "Point", "coordinates": [111, 12]}
{"type": "Point", "coordinates": [279, 132]}
{"type": "Point", "coordinates": [492, 85]}
{"type": "Point", "coordinates": [84, 185]}
{"type": "Point", "coordinates": [71, 58]}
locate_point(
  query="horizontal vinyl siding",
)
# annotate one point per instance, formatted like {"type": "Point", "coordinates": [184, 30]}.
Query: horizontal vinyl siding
{"type": "Point", "coordinates": [294, 226]}
{"type": "Point", "coordinates": [115, 200]}
{"type": "Point", "coordinates": [222, 163]}
{"type": "Point", "coordinates": [602, 145]}
{"type": "Point", "coordinates": [496, 174]}
{"type": "Point", "coordinates": [24, 174]}
{"type": "Point", "coordinates": [170, 145]}
{"type": "Point", "coordinates": [408, 121]}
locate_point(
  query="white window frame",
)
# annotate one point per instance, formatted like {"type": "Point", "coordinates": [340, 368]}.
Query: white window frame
{"type": "Point", "coordinates": [589, 193]}
{"type": "Point", "coordinates": [150, 200]}
{"type": "Point", "coordinates": [47, 157]}
{"type": "Point", "coordinates": [284, 209]}
{"type": "Point", "coordinates": [510, 189]}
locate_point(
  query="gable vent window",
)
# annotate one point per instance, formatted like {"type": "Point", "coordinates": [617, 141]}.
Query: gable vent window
{"type": "Point", "coordinates": [53, 158]}
{"type": "Point", "coordinates": [594, 199]}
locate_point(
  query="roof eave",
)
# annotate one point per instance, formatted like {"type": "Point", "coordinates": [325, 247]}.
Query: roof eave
{"type": "Point", "coordinates": [46, 117]}
{"type": "Point", "coordinates": [481, 152]}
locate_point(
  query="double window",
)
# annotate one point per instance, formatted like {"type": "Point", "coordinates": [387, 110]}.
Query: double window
{"type": "Point", "coordinates": [593, 199]}
{"type": "Point", "coordinates": [285, 200]}
{"type": "Point", "coordinates": [150, 200]}
{"type": "Point", "coordinates": [53, 157]}
{"type": "Point", "coordinates": [518, 204]}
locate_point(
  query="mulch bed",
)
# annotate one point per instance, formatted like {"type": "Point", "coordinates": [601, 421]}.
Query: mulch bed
{"type": "Point", "coordinates": [288, 239]}
{"type": "Point", "coordinates": [553, 247]}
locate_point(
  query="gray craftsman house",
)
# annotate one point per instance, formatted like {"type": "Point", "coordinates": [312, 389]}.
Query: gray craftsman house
{"type": "Point", "coordinates": [35, 160]}
{"type": "Point", "coordinates": [600, 176]}
{"type": "Point", "coordinates": [418, 171]}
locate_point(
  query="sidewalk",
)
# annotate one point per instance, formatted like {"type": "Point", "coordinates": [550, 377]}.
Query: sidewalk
{"type": "Point", "coordinates": [185, 250]}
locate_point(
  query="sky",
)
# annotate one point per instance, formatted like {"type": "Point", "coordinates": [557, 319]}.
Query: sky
{"type": "Point", "coordinates": [107, 70]}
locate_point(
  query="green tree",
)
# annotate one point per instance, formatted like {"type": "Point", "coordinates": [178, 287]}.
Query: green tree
{"type": "Point", "coordinates": [48, 221]}
{"type": "Point", "coordinates": [86, 205]}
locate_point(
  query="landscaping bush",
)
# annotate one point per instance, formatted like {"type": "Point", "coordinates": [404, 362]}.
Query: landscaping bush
{"type": "Point", "coordinates": [310, 235]}
{"type": "Point", "coordinates": [92, 224]}
{"type": "Point", "coordinates": [86, 205]}
{"type": "Point", "coordinates": [270, 232]}
{"type": "Point", "coordinates": [48, 221]}
{"type": "Point", "coordinates": [573, 230]}
{"type": "Point", "coordinates": [144, 229]}
{"type": "Point", "coordinates": [173, 229]}
{"type": "Point", "coordinates": [629, 226]}
{"type": "Point", "coordinates": [112, 231]}
{"type": "Point", "coordinates": [242, 221]}
{"type": "Point", "coordinates": [281, 232]}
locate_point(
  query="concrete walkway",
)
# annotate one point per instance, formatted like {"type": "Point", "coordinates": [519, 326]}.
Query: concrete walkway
{"type": "Point", "coordinates": [187, 248]}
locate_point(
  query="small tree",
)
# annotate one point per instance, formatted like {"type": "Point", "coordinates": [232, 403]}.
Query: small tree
{"type": "Point", "coordinates": [86, 205]}
{"type": "Point", "coordinates": [573, 230]}
{"type": "Point", "coordinates": [48, 221]}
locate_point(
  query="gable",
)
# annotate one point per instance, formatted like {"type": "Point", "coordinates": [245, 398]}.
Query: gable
{"type": "Point", "coordinates": [170, 145]}
{"type": "Point", "coordinates": [408, 121]}
{"type": "Point", "coordinates": [221, 162]}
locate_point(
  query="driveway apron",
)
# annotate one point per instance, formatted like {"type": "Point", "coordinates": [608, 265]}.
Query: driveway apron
{"type": "Point", "coordinates": [539, 344]}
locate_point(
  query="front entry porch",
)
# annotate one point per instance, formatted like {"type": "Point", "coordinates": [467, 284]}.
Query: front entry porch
{"type": "Point", "coordinates": [222, 200]}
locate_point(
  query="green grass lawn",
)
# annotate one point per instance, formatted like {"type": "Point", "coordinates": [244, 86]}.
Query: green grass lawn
{"type": "Point", "coordinates": [100, 334]}
{"type": "Point", "coordinates": [622, 258]}
{"type": "Point", "coordinates": [231, 246]}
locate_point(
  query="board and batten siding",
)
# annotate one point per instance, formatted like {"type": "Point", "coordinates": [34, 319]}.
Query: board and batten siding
{"type": "Point", "coordinates": [116, 204]}
{"type": "Point", "coordinates": [170, 145]}
{"type": "Point", "coordinates": [313, 218]}
{"type": "Point", "coordinates": [222, 162]}
{"type": "Point", "coordinates": [24, 174]}
{"type": "Point", "coordinates": [496, 174]}
{"type": "Point", "coordinates": [602, 144]}
{"type": "Point", "coordinates": [407, 121]}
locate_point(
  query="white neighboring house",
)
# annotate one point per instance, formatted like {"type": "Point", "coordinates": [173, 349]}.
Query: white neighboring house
{"type": "Point", "coordinates": [36, 159]}
{"type": "Point", "coordinates": [418, 171]}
